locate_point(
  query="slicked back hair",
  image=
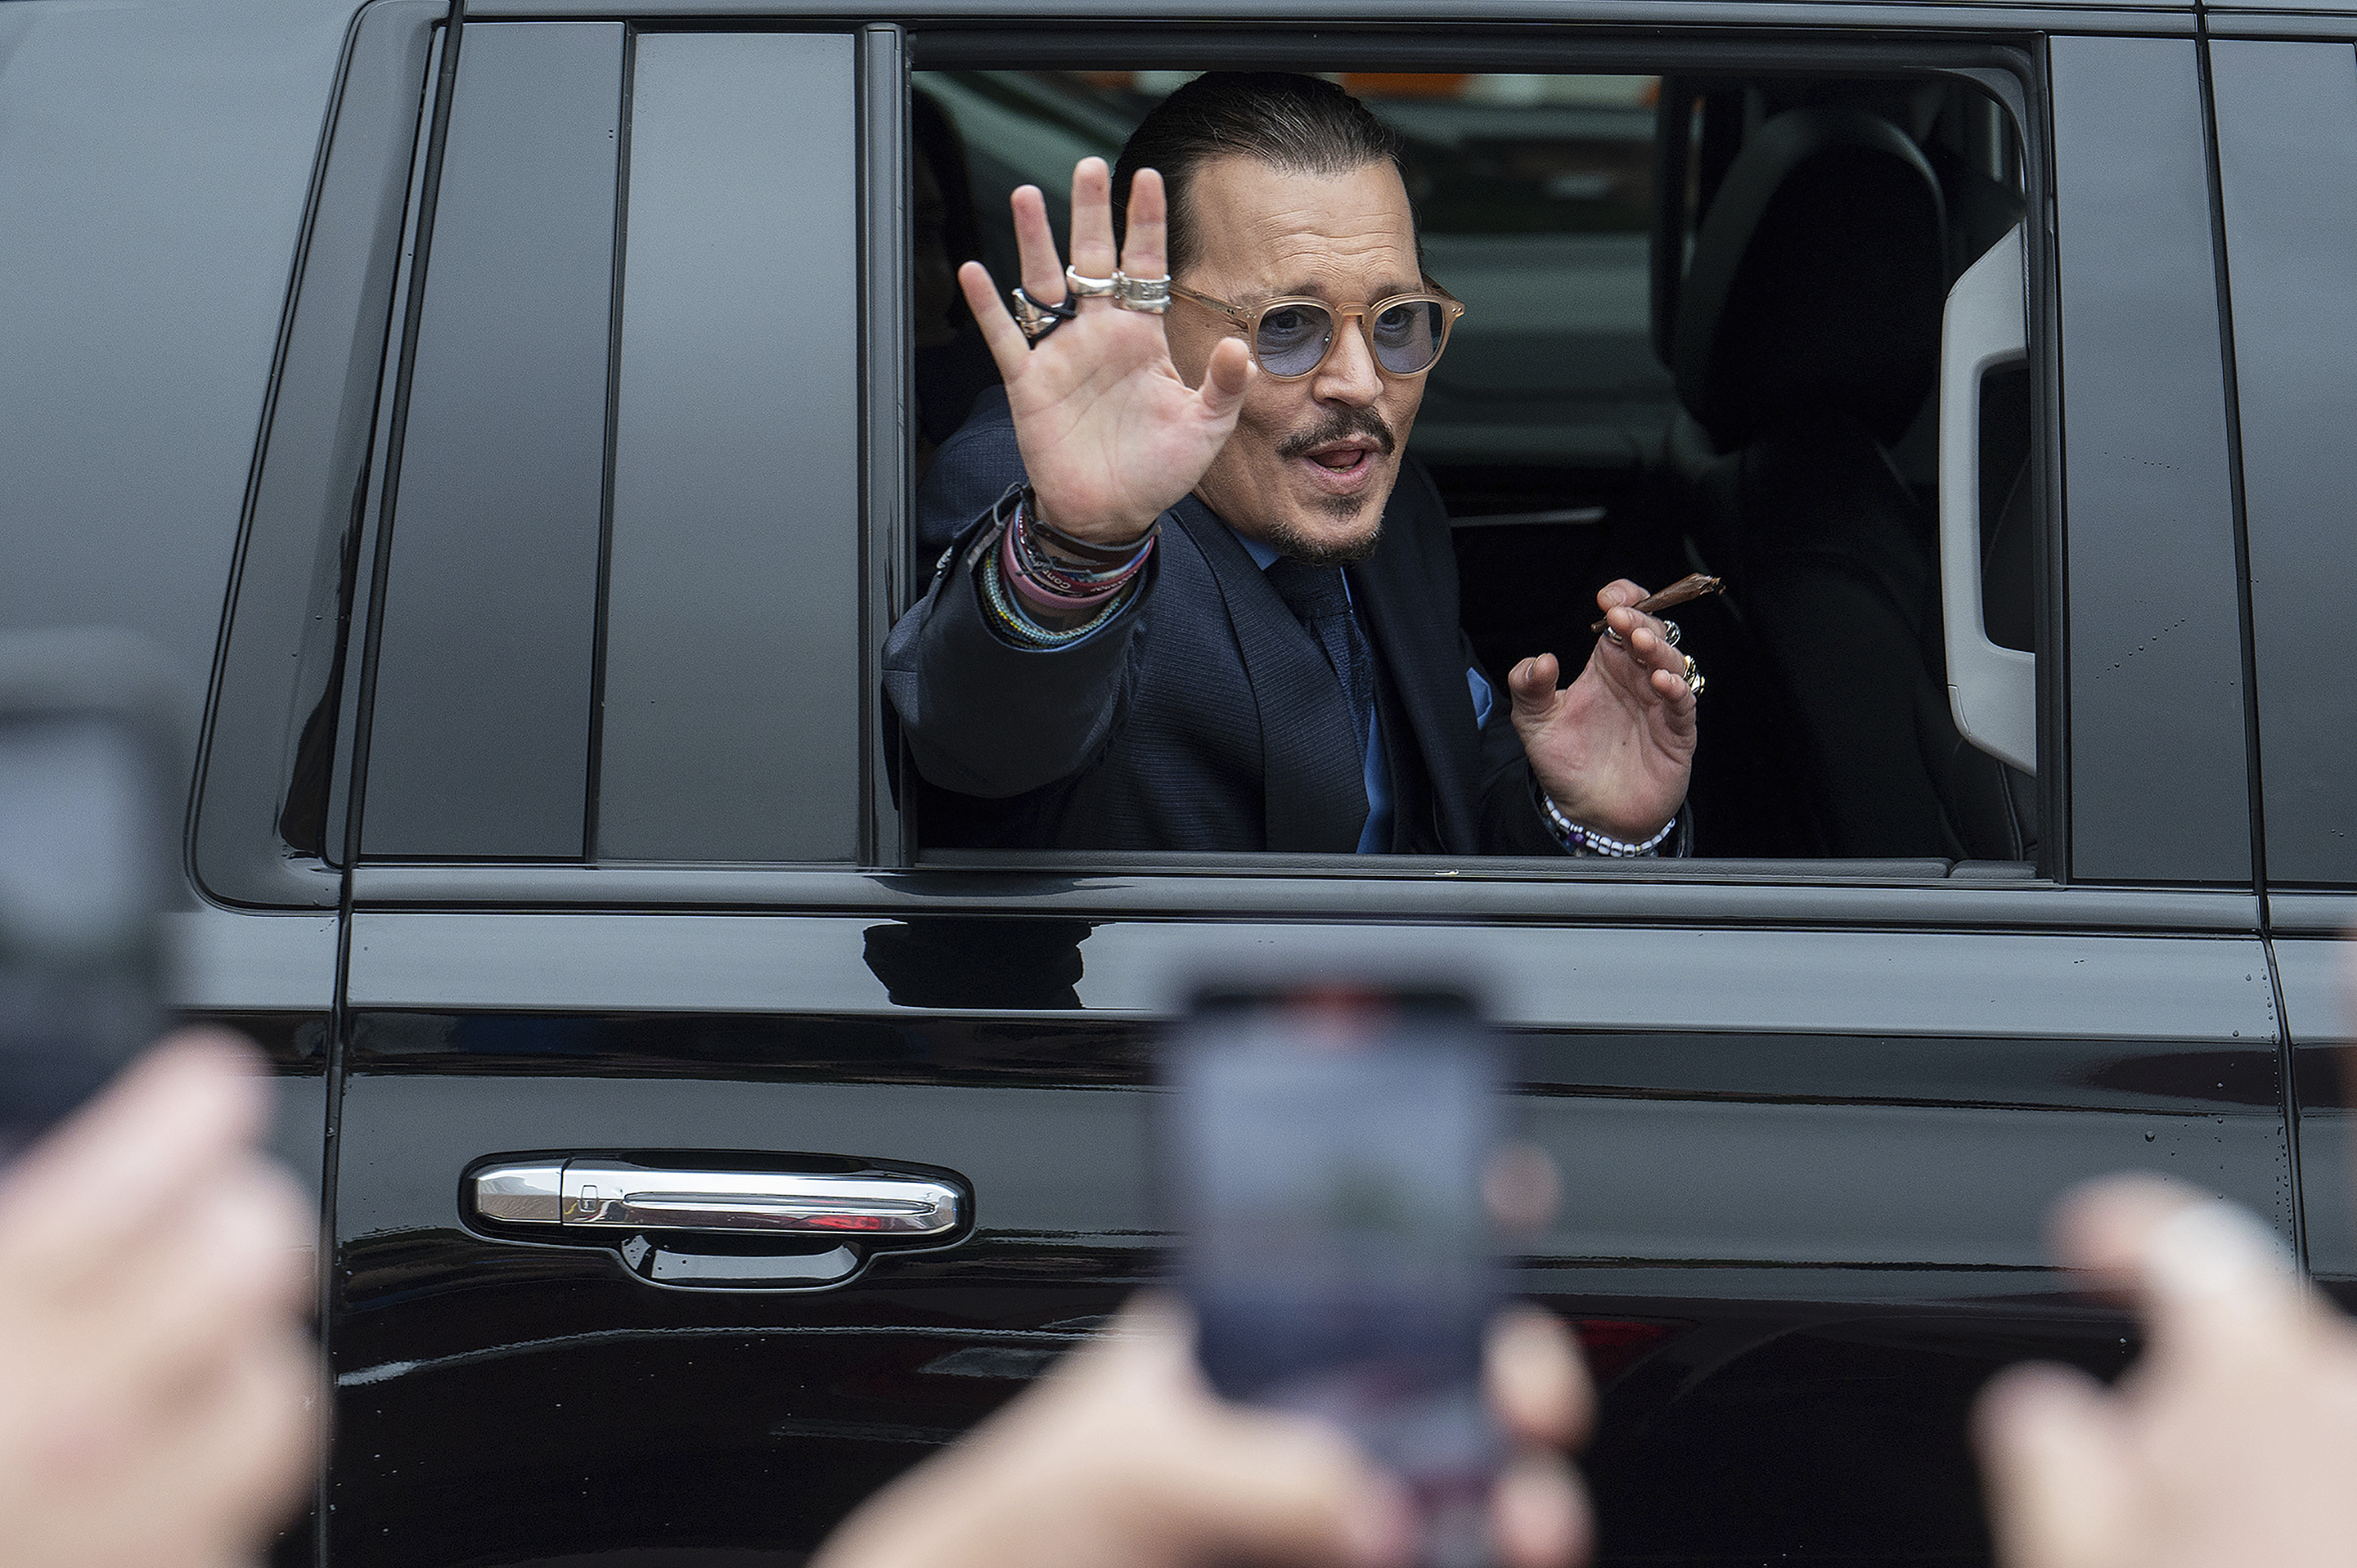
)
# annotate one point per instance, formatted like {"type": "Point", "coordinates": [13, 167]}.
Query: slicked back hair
{"type": "Point", "coordinates": [1300, 125]}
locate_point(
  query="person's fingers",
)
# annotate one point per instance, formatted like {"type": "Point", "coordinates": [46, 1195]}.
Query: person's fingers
{"type": "Point", "coordinates": [1619, 591]}
{"type": "Point", "coordinates": [1142, 245]}
{"type": "Point", "coordinates": [236, 1263]}
{"type": "Point", "coordinates": [1538, 1388]}
{"type": "Point", "coordinates": [1646, 643]}
{"type": "Point", "coordinates": [1654, 643]}
{"type": "Point", "coordinates": [1007, 346]}
{"type": "Point", "coordinates": [123, 1165]}
{"type": "Point", "coordinates": [1677, 698]}
{"type": "Point", "coordinates": [1279, 1489]}
{"type": "Point", "coordinates": [1521, 1188]}
{"type": "Point", "coordinates": [1201, 1479]}
{"type": "Point", "coordinates": [240, 1463]}
{"type": "Point", "coordinates": [1035, 245]}
{"type": "Point", "coordinates": [1538, 1515]}
{"type": "Point", "coordinates": [2211, 1282]}
{"type": "Point", "coordinates": [1642, 636]}
{"type": "Point", "coordinates": [1227, 375]}
{"type": "Point", "coordinates": [1530, 686]}
{"type": "Point", "coordinates": [1093, 251]}
{"type": "Point", "coordinates": [2060, 1491]}
{"type": "Point", "coordinates": [1537, 1379]}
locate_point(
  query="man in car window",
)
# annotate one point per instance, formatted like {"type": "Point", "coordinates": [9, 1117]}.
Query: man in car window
{"type": "Point", "coordinates": [1205, 606]}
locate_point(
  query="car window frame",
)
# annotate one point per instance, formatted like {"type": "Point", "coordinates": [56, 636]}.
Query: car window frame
{"type": "Point", "coordinates": [2010, 68]}
{"type": "Point", "coordinates": [2016, 40]}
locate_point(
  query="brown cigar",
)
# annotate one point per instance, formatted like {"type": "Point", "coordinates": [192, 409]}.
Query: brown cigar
{"type": "Point", "coordinates": [1688, 587]}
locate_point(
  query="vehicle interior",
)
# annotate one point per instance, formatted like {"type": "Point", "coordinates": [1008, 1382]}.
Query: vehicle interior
{"type": "Point", "coordinates": [1704, 333]}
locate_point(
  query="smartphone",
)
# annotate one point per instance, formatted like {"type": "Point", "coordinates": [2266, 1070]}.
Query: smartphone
{"type": "Point", "coordinates": [1322, 1151]}
{"type": "Point", "coordinates": [87, 766]}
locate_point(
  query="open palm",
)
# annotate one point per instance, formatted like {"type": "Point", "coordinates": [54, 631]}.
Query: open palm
{"type": "Point", "coordinates": [1111, 435]}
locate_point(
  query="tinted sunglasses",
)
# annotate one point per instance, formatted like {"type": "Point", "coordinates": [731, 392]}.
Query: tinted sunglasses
{"type": "Point", "coordinates": [1290, 337]}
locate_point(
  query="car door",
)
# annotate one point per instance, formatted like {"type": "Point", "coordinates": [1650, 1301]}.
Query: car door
{"type": "Point", "coordinates": [610, 621]}
{"type": "Point", "coordinates": [631, 910]}
{"type": "Point", "coordinates": [2286, 112]}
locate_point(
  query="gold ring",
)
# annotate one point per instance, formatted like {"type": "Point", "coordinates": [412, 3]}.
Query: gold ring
{"type": "Point", "coordinates": [1693, 676]}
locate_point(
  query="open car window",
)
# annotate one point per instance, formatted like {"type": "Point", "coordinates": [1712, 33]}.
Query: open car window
{"type": "Point", "coordinates": [1704, 332]}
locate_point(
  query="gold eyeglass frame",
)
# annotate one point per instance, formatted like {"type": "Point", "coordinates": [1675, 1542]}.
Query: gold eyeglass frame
{"type": "Point", "coordinates": [1246, 321]}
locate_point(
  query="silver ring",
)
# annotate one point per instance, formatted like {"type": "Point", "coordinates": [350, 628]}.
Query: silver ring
{"type": "Point", "coordinates": [1092, 288]}
{"type": "Point", "coordinates": [1036, 320]}
{"type": "Point", "coordinates": [1695, 681]}
{"type": "Point", "coordinates": [1669, 632]}
{"type": "Point", "coordinates": [1151, 296]}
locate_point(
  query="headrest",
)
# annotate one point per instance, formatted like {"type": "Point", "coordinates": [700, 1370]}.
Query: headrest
{"type": "Point", "coordinates": [1817, 283]}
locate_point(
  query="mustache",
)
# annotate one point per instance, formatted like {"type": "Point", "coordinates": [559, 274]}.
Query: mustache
{"type": "Point", "coordinates": [1342, 424]}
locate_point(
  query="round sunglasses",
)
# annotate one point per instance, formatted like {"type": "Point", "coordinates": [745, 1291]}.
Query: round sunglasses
{"type": "Point", "coordinates": [1291, 335]}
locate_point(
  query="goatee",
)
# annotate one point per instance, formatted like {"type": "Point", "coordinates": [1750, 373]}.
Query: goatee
{"type": "Point", "coordinates": [1339, 426]}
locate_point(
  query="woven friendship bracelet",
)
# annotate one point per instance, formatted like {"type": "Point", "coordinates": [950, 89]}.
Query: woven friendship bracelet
{"type": "Point", "coordinates": [1587, 841]}
{"type": "Point", "coordinates": [1036, 576]}
{"type": "Point", "coordinates": [1042, 590]}
{"type": "Point", "coordinates": [1020, 628]}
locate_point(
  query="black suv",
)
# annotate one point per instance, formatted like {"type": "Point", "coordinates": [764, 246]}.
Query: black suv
{"type": "Point", "coordinates": [515, 414]}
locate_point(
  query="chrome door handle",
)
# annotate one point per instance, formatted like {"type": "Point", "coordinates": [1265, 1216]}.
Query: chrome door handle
{"type": "Point", "coordinates": [615, 1195]}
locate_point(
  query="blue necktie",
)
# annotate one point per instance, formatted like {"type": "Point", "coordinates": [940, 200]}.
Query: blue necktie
{"type": "Point", "coordinates": [1316, 597]}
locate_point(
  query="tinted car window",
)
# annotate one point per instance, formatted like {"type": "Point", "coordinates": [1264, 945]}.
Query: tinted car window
{"type": "Point", "coordinates": [621, 617]}
{"type": "Point", "coordinates": [2151, 538]}
{"type": "Point", "coordinates": [2287, 164]}
{"type": "Point", "coordinates": [731, 695]}
{"type": "Point", "coordinates": [480, 741]}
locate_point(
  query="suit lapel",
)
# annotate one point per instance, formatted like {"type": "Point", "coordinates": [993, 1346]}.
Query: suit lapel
{"type": "Point", "coordinates": [1314, 783]}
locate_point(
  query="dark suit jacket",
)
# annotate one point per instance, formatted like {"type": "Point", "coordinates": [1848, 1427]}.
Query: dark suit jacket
{"type": "Point", "coordinates": [1204, 716]}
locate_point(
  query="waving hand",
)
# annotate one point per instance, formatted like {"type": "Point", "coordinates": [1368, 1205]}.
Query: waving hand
{"type": "Point", "coordinates": [1111, 435]}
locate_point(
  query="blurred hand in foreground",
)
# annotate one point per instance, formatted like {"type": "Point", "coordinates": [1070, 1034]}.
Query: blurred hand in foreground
{"type": "Point", "coordinates": [1122, 1457]}
{"type": "Point", "coordinates": [157, 1384]}
{"type": "Point", "coordinates": [2231, 1442]}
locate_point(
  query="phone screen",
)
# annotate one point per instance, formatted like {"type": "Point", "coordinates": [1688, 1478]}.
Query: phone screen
{"type": "Point", "coordinates": [81, 853]}
{"type": "Point", "coordinates": [1324, 1154]}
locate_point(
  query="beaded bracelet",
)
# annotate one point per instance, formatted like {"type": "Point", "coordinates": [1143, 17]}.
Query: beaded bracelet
{"type": "Point", "coordinates": [1587, 841]}
{"type": "Point", "coordinates": [1021, 628]}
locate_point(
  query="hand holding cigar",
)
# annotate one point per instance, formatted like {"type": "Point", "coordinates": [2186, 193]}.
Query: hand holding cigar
{"type": "Point", "coordinates": [1692, 586]}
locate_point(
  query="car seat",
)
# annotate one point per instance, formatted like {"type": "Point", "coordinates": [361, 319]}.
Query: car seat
{"type": "Point", "coordinates": [1806, 342]}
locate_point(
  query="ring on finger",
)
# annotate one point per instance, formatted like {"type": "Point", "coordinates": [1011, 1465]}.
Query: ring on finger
{"type": "Point", "coordinates": [1693, 677]}
{"type": "Point", "coordinates": [1151, 296]}
{"type": "Point", "coordinates": [1036, 320]}
{"type": "Point", "coordinates": [1670, 631]}
{"type": "Point", "coordinates": [1092, 288]}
